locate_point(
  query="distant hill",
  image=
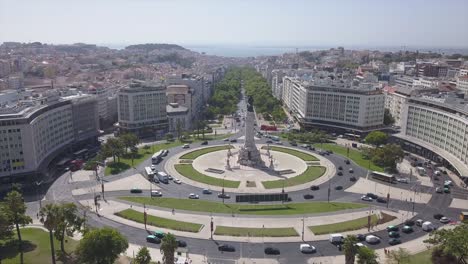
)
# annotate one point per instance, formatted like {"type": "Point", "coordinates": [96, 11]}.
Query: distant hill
{"type": "Point", "coordinates": [152, 46]}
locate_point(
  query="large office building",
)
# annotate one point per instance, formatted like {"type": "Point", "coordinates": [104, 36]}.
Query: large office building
{"type": "Point", "coordinates": [437, 128]}
{"type": "Point", "coordinates": [334, 105]}
{"type": "Point", "coordinates": [462, 84]}
{"type": "Point", "coordinates": [142, 109]}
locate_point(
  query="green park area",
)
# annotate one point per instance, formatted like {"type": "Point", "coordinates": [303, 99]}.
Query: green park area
{"type": "Point", "coordinates": [188, 171]}
{"type": "Point", "coordinates": [251, 209]}
{"type": "Point", "coordinates": [354, 155]}
{"type": "Point", "coordinates": [350, 225]}
{"type": "Point", "coordinates": [197, 153]}
{"type": "Point", "coordinates": [302, 155]}
{"type": "Point", "coordinates": [152, 220]}
{"type": "Point", "coordinates": [421, 257]}
{"type": "Point", "coordinates": [310, 174]}
{"type": "Point", "coordinates": [255, 232]}
{"type": "Point", "coordinates": [36, 246]}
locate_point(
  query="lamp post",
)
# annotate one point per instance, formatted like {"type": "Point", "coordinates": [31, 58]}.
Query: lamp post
{"type": "Point", "coordinates": [282, 191]}
{"type": "Point", "coordinates": [222, 192]}
{"type": "Point", "coordinates": [303, 227]}
{"type": "Point", "coordinates": [38, 184]}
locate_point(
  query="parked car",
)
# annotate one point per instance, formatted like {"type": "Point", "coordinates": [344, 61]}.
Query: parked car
{"type": "Point", "coordinates": [438, 216]}
{"type": "Point", "coordinates": [392, 228]}
{"type": "Point", "coordinates": [336, 239]}
{"type": "Point", "coordinates": [136, 190]}
{"type": "Point", "coordinates": [269, 142]}
{"type": "Point", "coordinates": [393, 234]}
{"type": "Point", "coordinates": [444, 220]}
{"type": "Point", "coordinates": [407, 229]}
{"type": "Point", "coordinates": [394, 241]}
{"type": "Point", "coordinates": [446, 190]}
{"type": "Point", "coordinates": [314, 187]}
{"type": "Point", "coordinates": [366, 198]}
{"type": "Point", "coordinates": [272, 251]}
{"type": "Point", "coordinates": [409, 222]}
{"type": "Point", "coordinates": [308, 196]}
{"type": "Point", "coordinates": [306, 146]}
{"type": "Point", "coordinates": [155, 193]}
{"type": "Point", "coordinates": [186, 146]}
{"type": "Point", "coordinates": [153, 239]}
{"type": "Point", "coordinates": [371, 239]}
{"type": "Point", "coordinates": [226, 247]}
{"type": "Point", "coordinates": [207, 191]}
{"type": "Point", "coordinates": [307, 248]}
{"type": "Point", "coordinates": [193, 196]}
{"type": "Point", "coordinates": [226, 139]}
{"type": "Point", "coordinates": [153, 167]}
{"type": "Point", "coordinates": [204, 143]}
{"type": "Point", "coordinates": [373, 196]}
{"type": "Point", "coordinates": [419, 222]}
{"type": "Point", "coordinates": [177, 181]}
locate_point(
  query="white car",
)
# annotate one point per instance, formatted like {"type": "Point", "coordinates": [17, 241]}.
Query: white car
{"type": "Point", "coordinates": [359, 244]}
{"type": "Point", "coordinates": [156, 193]}
{"type": "Point", "coordinates": [366, 198]}
{"type": "Point", "coordinates": [226, 139]}
{"type": "Point", "coordinates": [153, 167]}
{"type": "Point", "coordinates": [371, 239]}
{"type": "Point", "coordinates": [186, 146]}
{"type": "Point", "coordinates": [193, 196]}
{"type": "Point", "coordinates": [279, 143]}
{"type": "Point", "coordinates": [403, 180]}
{"type": "Point", "coordinates": [177, 181]}
{"type": "Point", "coordinates": [444, 220]}
{"type": "Point", "coordinates": [307, 248]}
{"type": "Point", "coordinates": [448, 182]}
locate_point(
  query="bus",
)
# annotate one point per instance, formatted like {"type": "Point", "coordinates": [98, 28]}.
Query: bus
{"type": "Point", "coordinates": [149, 172]}
{"type": "Point", "coordinates": [383, 176]}
{"type": "Point", "coordinates": [352, 136]}
{"type": "Point", "coordinates": [156, 158]}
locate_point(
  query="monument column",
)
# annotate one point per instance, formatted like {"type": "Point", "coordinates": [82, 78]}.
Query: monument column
{"type": "Point", "coordinates": [249, 155]}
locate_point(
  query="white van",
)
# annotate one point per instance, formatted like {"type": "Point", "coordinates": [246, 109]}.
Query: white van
{"type": "Point", "coordinates": [336, 238]}
{"type": "Point", "coordinates": [428, 226]}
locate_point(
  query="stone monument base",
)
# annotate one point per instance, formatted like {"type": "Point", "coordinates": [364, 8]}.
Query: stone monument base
{"type": "Point", "coordinates": [250, 157]}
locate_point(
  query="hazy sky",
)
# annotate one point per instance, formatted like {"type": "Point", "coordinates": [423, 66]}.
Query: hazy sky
{"type": "Point", "coordinates": [432, 23]}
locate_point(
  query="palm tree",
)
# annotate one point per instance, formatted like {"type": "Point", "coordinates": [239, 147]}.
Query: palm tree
{"type": "Point", "coordinates": [143, 256]}
{"type": "Point", "coordinates": [50, 218]}
{"type": "Point", "coordinates": [350, 249]}
{"type": "Point", "coordinates": [168, 247]}
{"type": "Point", "coordinates": [15, 209]}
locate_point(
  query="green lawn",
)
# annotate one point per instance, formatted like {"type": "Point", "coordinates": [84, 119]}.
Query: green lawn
{"type": "Point", "coordinates": [188, 171]}
{"type": "Point", "coordinates": [197, 153]}
{"type": "Point", "coordinates": [310, 174]}
{"type": "Point", "coordinates": [342, 226]}
{"type": "Point", "coordinates": [255, 232]}
{"type": "Point", "coordinates": [421, 257]}
{"type": "Point", "coordinates": [354, 155]}
{"type": "Point", "coordinates": [302, 155]}
{"type": "Point", "coordinates": [152, 220]}
{"type": "Point", "coordinates": [248, 209]}
{"type": "Point", "coordinates": [36, 248]}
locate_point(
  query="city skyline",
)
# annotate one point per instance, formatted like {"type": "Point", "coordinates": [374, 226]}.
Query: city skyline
{"type": "Point", "coordinates": [259, 23]}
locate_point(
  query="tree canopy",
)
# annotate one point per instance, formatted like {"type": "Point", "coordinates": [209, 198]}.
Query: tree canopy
{"type": "Point", "coordinates": [101, 246]}
{"type": "Point", "coordinates": [387, 156]}
{"type": "Point", "coordinates": [168, 247]}
{"type": "Point", "coordinates": [451, 242]}
{"type": "Point", "coordinates": [226, 94]}
{"type": "Point", "coordinates": [376, 138]}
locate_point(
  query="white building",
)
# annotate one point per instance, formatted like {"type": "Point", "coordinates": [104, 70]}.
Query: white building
{"type": "Point", "coordinates": [462, 84]}
{"type": "Point", "coordinates": [178, 116]}
{"type": "Point", "coordinates": [196, 90]}
{"type": "Point", "coordinates": [142, 109]}
{"type": "Point", "coordinates": [395, 99]}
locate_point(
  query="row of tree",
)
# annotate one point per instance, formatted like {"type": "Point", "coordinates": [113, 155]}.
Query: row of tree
{"type": "Point", "coordinates": [264, 101]}
{"type": "Point", "coordinates": [316, 136]}
{"type": "Point", "coordinates": [226, 95]}
{"type": "Point", "coordinates": [382, 154]}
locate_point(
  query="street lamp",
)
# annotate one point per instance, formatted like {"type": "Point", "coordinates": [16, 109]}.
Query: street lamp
{"type": "Point", "coordinates": [38, 184]}
{"type": "Point", "coordinates": [222, 192]}
{"type": "Point", "coordinates": [303, 227]}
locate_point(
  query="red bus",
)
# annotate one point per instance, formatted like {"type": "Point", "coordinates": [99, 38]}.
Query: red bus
{"type": "Point", "coordinates": [268, 128]}
{"type": "Point", "coordinates": [76, 164]}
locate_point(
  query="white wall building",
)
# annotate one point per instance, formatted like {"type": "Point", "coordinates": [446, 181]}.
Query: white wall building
{"type": "Point", "coordinates": [462, 84]}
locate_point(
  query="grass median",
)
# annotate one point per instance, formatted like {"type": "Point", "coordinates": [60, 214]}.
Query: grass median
{"type": "Point", "coordinates": [310, 174]}
{"type": "Point", "coordinates": [255, 232]}
{"type": "Point", "coordinates": [197, 153]}
{"type": "Point", "coordinates": [247, 209]}
{"type": "Point", "coordinates": [350, 225]}
{"type": "Point", "coordinates": [188, 171]}
{"type": "Point", "coordinates": [152, 220]}
{"type": "Point", "coordinates": [302, 155]}
{"type": "Point", "coordinates": [354, 155]}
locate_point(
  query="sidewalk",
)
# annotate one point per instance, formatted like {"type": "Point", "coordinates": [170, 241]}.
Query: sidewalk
{"type": "Point", "coordinates": [107, 209]}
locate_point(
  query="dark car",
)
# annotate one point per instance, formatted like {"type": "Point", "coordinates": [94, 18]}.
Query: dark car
{"type": "Point", "coordinates": [153, 239]}
{"type": "Point", "coordinates": [224, 195]}
{"type": "Point", "coordinates": [204, 143]}
{"type": "Point", "coordinates": [226, 247]}
{"type": "Point", "coordinates": [381, 200]}
{"type": "Point", "coordinates": [329, 152]}
{"type": "Point", "coordinates": [339, 188]}
{"type": "Point", "coordinates": [373, 196]}
{"type": "Point", "coordinates": [438, 216]}
{"type": "Point", "coordinates": [394, 241]}
{"type": "Point", "coordinates": [346, 161]}
{"type": "Point", "coordinates": [340, 168]}
{"type": "Point", "coordinates": [269, 142]}
{"type": "Point", "coordinates": [233, 140]}
{"type": "Point", "coordinates": [340, 173]}
{"type": "Point", "coordinates": [409, 222]}
{"type": "Point", "coordinates": [314, 187]}
{"type": "Point", "coordinates": [158, 234]}
{"type": "Point", "coordinates": [272, 251]}
{"type": "Point", "coordinates": [136, 190]}
{"type": "Point", "coordinates": [407, 229]}
{"type": "Point", "coordinates": [353, 179]}
{"type": "Point", "coordinates": [312, 148]}
{"type": "Point", "coordinates": [181, 243]}
{"type": "Point", "coordinates": [393, 234]}
{"type": "Point", "coordinates": [392, 228]}
{"type": "Point", "coordinates": [293, 143]}
{"type": "Point", "coordinates": [308, 196]}
{"type": "Point", "coordinates": [361, 237]}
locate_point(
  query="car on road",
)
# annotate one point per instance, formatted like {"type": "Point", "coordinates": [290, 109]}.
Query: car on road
{"type": "Point", "coordinates": [226, 247]}
{"type": "Point", "coordinates": [314, 187]}
{"type": "Point", "coordinates": [409, 222]}
{"type": "Point", "coordinates": [153, 239]}
{"type": "Point", "coordinates": [233, 140]}
{"type": "Point", "coordinates": [158, 234]}
{"type": "Point", "coordinates": [373, 196]}
{"type": "Point", "coordinates": [272, 251]}
{"type": "Point", "coordinates": [351, 170]}
{"type": "Point", "coordinates": [381, 200]}
{"type": "Point", "coordinates": [193, 196]}
{"type": "Point", "coordinates": [439, 190]}
{"type": "Point", "coordinates": [177, 181]}
{"type": "Point", "coordinates": [393, 234]}
{"type": "Point", "coordinates": [165, 152]}
{"type": "Point", "coordinates": [444, 220]}
{"type": "Point", "coordinates": [407, 229]}
{"type": "Point", "coordinates": [353, 179]}
{"type": "Point", "coordinates": [340, 168]}
{"type": "Point", "coordinates": [269, 142]}
{"type": "Point", "coordinates": [438, 216]}
{"type": "Point", "coordinates": [224, 195]}
{"type": "Point", "coordinates": [392, 228]}
{"type": "Point", "coordinates": [226, 139]}
{"type": "Point", "coordinates": [306, 146]}
{"type": "Point", "coordinates": [347, 161]}
{"type": "Point", "coordinates": [448, 183]}
{"type": "Point", "coordinates": [155, 193]}
{"type": "Point", "coordinates": [153, 167]}
{"type": "Point", "coordinates": [204, 143]}
{"type": "Point", "coordinates": [307, 248]}
{"type": "Point", "coordinates": [279, 143]}
{"type": "Point", "coordinates": [366, 198]}
{"type": "Point", "coordinates": [186, 146]}
{"type": "Point", "coordinates": [419, 222]}
{"type": "Point", "coordinates": [340, 173]}
{"type": "Point", "coordinates": [136, 190]}
{"type": "Point", "coordinates": [293, 143]}
{"type": "Point", "coordinates": [308, 196]}
{"type": "Point", "coordinates": [181, 243]}
{"type": "Point", "coordinates": [402, 180]}
{"type": "Point", "coordinates": [339, 187]}
{"type": "Point", "coordinates": [394, 241]}
{"type": "Point", "coordinates": [361, 237]}
{"type": "Point", "coordinates": [207, 191]}
{"type": "Point", "coordinates": [446, 190]}
{"type": "Point", "coordinates": [371, 239]}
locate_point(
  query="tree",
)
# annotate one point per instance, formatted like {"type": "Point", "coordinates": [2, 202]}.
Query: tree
{"type": "Point", "coordinates": [69, 223]}
{"type": "Point", "coordinates": [15, 209]}
{"type": "Point", "coordinates": [388, 118]}
{"type": "Point", "coordinates": [439, 256]}
{"type": "Point", "coordinates": [367, 255]}
{"type": "Point", "coordinates": [451, 241]}
{"type": "Point", "coordinates": [387, 156]}
{"type": "Point", "coordinates": [133, 153]}
{"type": "Point", "coordinates": [101, 246]}
{"type": "Point", "coordinates": [168, 247]}
{"type": "Point", "coordinates": [376, 138]}
{"type": "Point", "coordinates": [143, 256]}
{"type": "Point", "coordinates": [6, 229]}
{"type": "Point", "coordinates": [114, 147]}
{"type": "Point", "coordinates": [350, 249]}
{"type": "Point", "coordinates": [169, 137]}
{"type": "Point", "coordinates": [129, 141]}
{"type": "Point", "coordinates": [50, 218]}
{"type": "Point", "coordinates": [399, 256]}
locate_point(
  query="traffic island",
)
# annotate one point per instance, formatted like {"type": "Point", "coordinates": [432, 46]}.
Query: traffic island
{"type": "Point", "coordinates": [311, 173]}
{"type": "Point", "coordinates": [255, 232]}
{"type": "Point", "coordinates": [188, 171]}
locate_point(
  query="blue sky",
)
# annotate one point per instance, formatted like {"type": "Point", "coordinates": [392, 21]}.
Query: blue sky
{"type": "Point", "coordinates": [426, 23]}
